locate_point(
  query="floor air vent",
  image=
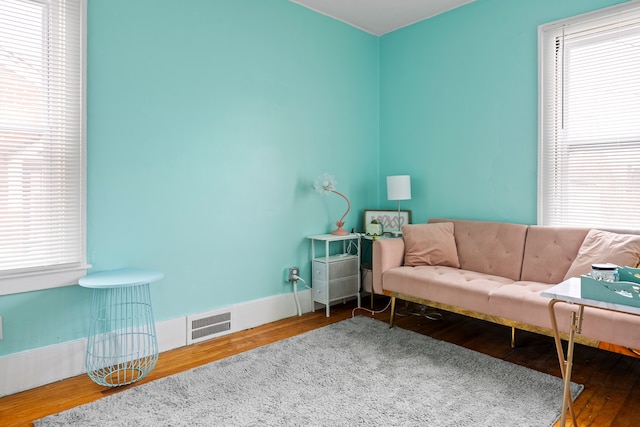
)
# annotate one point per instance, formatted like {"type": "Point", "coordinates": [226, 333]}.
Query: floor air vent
{"type": "Point", "coordinates": [206, 326]}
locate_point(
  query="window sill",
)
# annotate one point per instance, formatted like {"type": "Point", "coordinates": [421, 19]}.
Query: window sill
{"type": "Point", "coordinates": [40, 280]}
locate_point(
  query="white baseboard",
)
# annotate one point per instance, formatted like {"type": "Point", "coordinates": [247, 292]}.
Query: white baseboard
{"type": "Point", "coordinates": [44, 365]}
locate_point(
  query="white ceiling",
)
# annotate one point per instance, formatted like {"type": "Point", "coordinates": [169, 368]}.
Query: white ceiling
{"type": "Point", "coordinates": [381, 16]}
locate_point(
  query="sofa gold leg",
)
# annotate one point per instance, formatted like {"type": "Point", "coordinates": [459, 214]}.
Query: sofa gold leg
{"type": "Point", "coordinates": [393, 311]}
{"type": "Point", "coordinates": [513, 337]}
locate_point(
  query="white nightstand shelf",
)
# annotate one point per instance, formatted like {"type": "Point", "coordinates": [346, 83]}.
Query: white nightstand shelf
{"type": "Point", "coordinates": [335, 276]}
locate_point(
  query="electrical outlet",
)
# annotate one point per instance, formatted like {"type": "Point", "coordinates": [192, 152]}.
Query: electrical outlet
{"type": "Point", "coordinates": [293, 271]}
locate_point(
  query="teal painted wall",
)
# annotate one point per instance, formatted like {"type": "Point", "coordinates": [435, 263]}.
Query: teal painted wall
{"type": "Point", "coordinates": [208, 122]}
{"type": "Point", "coordinates": [458, 108]}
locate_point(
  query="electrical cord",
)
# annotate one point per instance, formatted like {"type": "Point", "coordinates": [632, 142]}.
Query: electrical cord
{"type": "Point", "coordinates": [295, 296]}
{"type": "Point", "coordinates": [373, 312]}
{"type": "Point", "coordinates": [422, 312]}
{"type": "Point", "coordinates": [355, 247]}
{"type": "Point", "coordinates": [295, 291]}
{"type": "Point", "coordinates": [296, 278]}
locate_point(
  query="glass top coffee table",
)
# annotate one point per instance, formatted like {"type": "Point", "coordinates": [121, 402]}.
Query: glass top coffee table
{"type": "Point", "coordinates": [569, 292]}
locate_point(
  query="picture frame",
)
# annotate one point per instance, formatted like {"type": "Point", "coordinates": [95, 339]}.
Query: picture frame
{"type": "Point", "coordinates": [388, 218]}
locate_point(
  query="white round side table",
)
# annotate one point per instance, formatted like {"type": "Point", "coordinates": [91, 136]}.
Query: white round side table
{"type": "Point", "coordinates": [122, 346]}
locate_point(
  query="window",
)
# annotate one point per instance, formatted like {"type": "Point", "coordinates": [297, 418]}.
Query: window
{"type": "Point", "coordinates": [42, 178]}
{"type": "Point", "coordinates": [589, 148]}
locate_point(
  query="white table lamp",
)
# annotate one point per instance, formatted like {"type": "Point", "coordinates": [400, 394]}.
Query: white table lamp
{"type": "Point", "coordinates": [398, 188]}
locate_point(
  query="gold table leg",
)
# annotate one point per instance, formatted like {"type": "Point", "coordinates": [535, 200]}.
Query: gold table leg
{"type": "Point", "coordinates": [566, 365]}
{"type": "Point", "coordinates": [393, 311]}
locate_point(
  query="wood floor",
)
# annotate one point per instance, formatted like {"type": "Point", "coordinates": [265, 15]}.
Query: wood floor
{"type": "Point", "coordinates": [611, 396]}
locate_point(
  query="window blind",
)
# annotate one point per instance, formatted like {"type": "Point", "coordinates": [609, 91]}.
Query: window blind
{"type": "Point", "coordinates": [41, 139]}
{"type": "Point", "coordinates": [589, 156]}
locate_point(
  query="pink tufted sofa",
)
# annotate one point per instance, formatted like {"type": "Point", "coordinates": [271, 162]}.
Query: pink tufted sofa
{"type": "Point", "coordinates": [495, 271]}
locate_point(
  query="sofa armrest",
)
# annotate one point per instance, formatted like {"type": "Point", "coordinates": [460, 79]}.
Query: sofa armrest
{"type": "Point", "coordinates": [387, 253]}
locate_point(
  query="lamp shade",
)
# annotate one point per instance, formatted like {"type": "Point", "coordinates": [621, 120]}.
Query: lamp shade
{"type": "Point", "coordinates": [399, 187]}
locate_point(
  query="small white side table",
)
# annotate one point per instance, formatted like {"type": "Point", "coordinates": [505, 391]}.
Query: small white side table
{"type": "Point", "coordinates": [122, 346]}
{"type": "Point", "coordinates": [335, 276]}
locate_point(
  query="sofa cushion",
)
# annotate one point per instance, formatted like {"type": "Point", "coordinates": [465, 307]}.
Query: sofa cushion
{"type": "Point", "coordinates": [430, 244]}
{"type": "Point", "coordinates": [549, 252]}
{"type": "Point", "coordinates": [605, 247]}
{"type": "Point", "coordinates": [447, 285]}
{"type": "Point", "coordinates": [522, 302]}
{"type": "Point", "coordinates": [494, 248]}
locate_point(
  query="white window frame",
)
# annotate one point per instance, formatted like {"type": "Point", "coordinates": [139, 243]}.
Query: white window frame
{"type": "Point", "coordinates": [625, 201]}
{"type": "Point", "coordinates": [46, 277]}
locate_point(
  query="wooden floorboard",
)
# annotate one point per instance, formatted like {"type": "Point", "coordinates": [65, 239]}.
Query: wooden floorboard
{"type": "Point", "coordinates": [611, 380]}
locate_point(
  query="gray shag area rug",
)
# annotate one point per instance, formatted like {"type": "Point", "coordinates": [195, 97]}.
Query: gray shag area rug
{"type": "Point", "coordinates": [355, 372]}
